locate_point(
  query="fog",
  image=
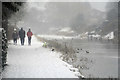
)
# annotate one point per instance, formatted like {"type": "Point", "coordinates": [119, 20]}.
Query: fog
{"type": "Point", "coordinates": [90, 28]}
{"type": "Point", "coordinates": [53, 17]}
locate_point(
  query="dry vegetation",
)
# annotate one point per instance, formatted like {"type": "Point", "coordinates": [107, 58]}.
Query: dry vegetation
{"type": "Point", "coordinates": [68, 53]}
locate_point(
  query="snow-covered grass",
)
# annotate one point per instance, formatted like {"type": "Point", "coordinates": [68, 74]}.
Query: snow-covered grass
{"type": "Point", "coordinates": [36, 61]}
{"type": "Point", "coordinates": [49, 37]}
{"type": "Point", "coordinates": [109, 36]}
{"type": "Point", "coordinates": [67, 51]}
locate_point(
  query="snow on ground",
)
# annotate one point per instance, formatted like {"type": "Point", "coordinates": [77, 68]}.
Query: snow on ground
{"type": "Point", "coordinates": [55, 37]}
{"type": "Point", "coordinates": [109, 36]}
{"type": "Point", "coordinates": [35, 62]}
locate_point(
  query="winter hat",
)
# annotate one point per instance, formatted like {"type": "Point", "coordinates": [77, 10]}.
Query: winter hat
{"type": "Point", "coordinates": [29, 29]}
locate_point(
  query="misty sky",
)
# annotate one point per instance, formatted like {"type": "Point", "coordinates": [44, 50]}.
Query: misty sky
{"type": "Point", "coordinates": [34, 15]}
{"type": "Point", "coordinates": [40, 17]}
{"type": "Point", "coordinates": [99, 5]}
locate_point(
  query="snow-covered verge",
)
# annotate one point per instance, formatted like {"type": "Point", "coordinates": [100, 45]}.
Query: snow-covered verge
{"type": "Point", "coordinates": [49, 37]}
{"type": "Point", "coordinates": [36, 62]}
{"type": "Point", "coordinates": [67, 51]}
{"type": "Point", "coordinates": [109, 36]}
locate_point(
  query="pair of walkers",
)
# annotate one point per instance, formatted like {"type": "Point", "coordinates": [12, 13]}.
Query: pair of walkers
{"type": "Point", "coordinates": [21, 35]}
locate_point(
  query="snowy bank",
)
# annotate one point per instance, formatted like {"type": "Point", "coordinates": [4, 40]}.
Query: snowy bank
{"type": "Point", "coordinates": [49, 37]}
{"type": "Point", "coordinates": [109, 35]}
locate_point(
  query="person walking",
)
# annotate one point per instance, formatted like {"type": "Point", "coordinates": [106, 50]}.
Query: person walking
{"type": "Point", "coordinates": [15, 36]}
{"type": "Point", "coordinates": [22, 36]}
{"type": "Point", "coordinates": [29, 34]}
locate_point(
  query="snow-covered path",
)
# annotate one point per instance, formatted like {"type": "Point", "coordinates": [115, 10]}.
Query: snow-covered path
{"type": "Point", "coordinates": [35, 62]}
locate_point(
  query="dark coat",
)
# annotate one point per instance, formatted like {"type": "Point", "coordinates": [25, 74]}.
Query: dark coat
{"type": "Point", "coordinates": [22, 33]}
{"type": "Point", "coordinates": [15, 35]}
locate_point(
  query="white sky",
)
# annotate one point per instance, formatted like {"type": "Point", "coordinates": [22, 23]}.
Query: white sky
{"type": "Point", "coordinates": [97, 4]}
{"type": "Point", "coordinates": [98, 0]}
{"type": "Point", "coordinates": [73, 0]}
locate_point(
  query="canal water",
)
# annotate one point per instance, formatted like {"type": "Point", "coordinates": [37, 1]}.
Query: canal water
{"type": "Point", "coordinates": [97, 59]}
